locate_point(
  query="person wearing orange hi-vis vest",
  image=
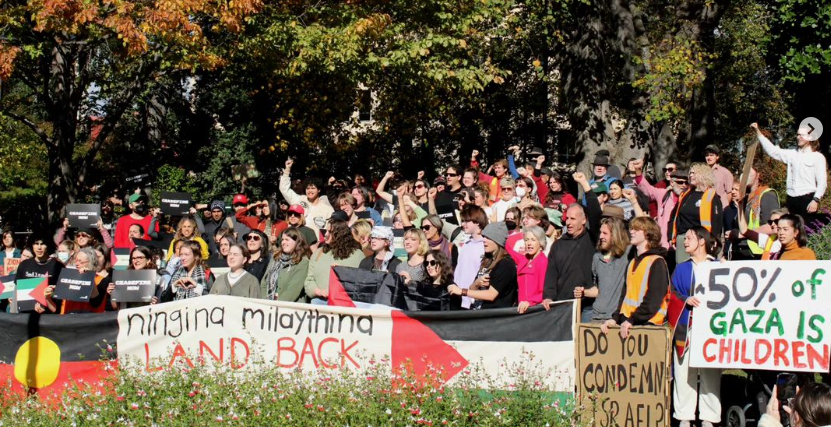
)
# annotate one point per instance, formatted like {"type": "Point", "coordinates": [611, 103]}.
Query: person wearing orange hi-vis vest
{"type": "Point", "coordinates": [645, 299]}
{"type": "Point", "coordinates": [699, 205]}
{"type": "Point", "coordinates": [500, 169]}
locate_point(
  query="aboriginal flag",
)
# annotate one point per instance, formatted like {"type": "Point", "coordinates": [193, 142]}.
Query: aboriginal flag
{"type": "Point", "coordinates": [48, 352]}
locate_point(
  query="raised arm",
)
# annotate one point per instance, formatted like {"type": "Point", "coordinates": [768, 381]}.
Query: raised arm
{"type": "Point", "coordinates": [382, 187]}
{"type": "Point", "coordinates": [285, 185]}
{"type": "Point", "coordinates": [773, 151]}
{"type": "Point", "coordinates": [632, 197]}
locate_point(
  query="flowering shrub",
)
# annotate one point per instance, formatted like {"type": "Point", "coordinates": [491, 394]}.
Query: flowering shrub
{"type": "Point", "coordinates": [819, 235]}
{"type": "Point", "coordinates": [371, 397]}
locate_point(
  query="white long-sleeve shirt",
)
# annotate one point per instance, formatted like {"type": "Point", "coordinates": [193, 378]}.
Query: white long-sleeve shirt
{"type": "Point", "coordinates": [806, 169]}
{"type": "Point", "coordinates": [316, 213]}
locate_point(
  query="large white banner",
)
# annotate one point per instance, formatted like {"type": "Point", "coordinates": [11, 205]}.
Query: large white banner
{"type": "Point", "coordinates": [771, 315]}
{"type": "Point", "coordinates": [246, 333]}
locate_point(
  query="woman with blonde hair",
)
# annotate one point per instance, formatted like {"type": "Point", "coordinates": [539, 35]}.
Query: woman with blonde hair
{"type": "Point", "coordinates": [416, 245]}
{"type": "Point", "coordinates": [698, 206]}
{"type": "Point", "coordinates": [190, 279]}
{"type": "Point", "coordinates": [361, 230]}
{"type": "Point", "coordinates": [188, 230]}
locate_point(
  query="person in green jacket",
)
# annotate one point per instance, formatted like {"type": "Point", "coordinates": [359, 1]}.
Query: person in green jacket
{"type": "Point", "coordinates": [339, 248]}
{"type": "Point", "coordinates": [237, 282]}
{"type": "Point", "coordinates": [286, 272]}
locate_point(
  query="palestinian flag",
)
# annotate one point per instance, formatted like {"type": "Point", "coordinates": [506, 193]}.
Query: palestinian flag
{"type": "Point", "coordinates": [29, 291]}
{"type": "Point", "coordinates": [7, 287]}
{"type": "Point", "coordinates": [453, 338]}
{"type": "Point", "coordinates": [46, 353]}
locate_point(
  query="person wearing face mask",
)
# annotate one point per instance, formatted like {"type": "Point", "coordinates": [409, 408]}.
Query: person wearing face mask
{"type": "Point", "coordinates": [66, 252]}
{"type": "Point", "coordinates": [139, 216]}
{"type": "Point", "coordinates": [525, 192]}
{"type": "Point", "coordinates": [665, 198]}
{"type": "Point", "coordinates": [513, 222]}
{"type": "Point", "coordinates": [41, 265]}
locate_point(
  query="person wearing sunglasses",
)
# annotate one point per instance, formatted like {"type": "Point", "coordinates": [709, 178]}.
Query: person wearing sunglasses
{"type": "Point", "coordinates": [434, 287]}
{"type": "Point", "coordinates": [339, 248]}
{"type": "Point", "coordinates": [666, 198]}
{"type": "Point", "coordinates": [769, 243]}
{"type": "Point", "coordinates": [258, 253]}
{"type": "Point", "coordinates": [699, 205]}
{"type": "Point", "coordinates": [447, 201]}
{"type": "Point", "coordinates": [508, 193]}
{"type": "Point", "coordinates": [432, 227]}
{"type": "Point", "coordinates": [382, 259]}
{"type": "Point", "coordinates": [807, 171]}
{"type": "Point", "coordinates": [296, 218]}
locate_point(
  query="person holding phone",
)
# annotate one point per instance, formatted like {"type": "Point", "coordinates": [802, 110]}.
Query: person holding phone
{"type": "Point", "coordinates": [190, 279]}
{"type": "Point", "coordinates": [810, 406]}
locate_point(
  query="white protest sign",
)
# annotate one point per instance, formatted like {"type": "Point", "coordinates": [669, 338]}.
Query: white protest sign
{"type": "Point", "coordinates": [763, 315]}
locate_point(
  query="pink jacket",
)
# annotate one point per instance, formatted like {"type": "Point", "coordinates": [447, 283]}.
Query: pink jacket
{"type": "Point", "coordinates": [531, 277]}
{"type": "Point", "coordinates": [665, 205]}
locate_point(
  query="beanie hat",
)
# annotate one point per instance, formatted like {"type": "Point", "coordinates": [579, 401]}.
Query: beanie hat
{"type": "Point", "coordinates": [217, 204]}
{"type": "Point", "coordinates": [496, 231]}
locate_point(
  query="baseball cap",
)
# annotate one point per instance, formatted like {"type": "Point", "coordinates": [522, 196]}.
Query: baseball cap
{"type": "Point", "coordinates": [135, 197]}
{"type": "Point", "coordinates": [297, 209]}
{"type": "Point", "coordinates": [555, 217]}
{"type": "Point", "coordinates": [339, 216]}
{"type": "Point", "coordinates": [712, 148]}
{"type": "Point", "coordinates": [600, 187]}
{"type": "Point", "coordinates": [240, 199]}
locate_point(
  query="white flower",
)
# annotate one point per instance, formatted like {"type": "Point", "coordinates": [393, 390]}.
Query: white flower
{"type": "Point", "coordinates": [388, 411]}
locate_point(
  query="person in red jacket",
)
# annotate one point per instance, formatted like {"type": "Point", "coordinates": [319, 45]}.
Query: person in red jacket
{"type": "Point", "coordinates": [139, 208]}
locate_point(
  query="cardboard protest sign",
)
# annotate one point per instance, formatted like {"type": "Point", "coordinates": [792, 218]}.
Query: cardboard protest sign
{"type": "Point", "coordinates": [134, 285]}
{"type": "Point", "coordinates": [748, 164]}
{"type": "Point", "coordinates": [176, 204]}
{"type": "Point", "coordinates": [624, 382]}
{"type": "Point", "coordinates": [83, 216]}
{"type": "Point", "coordinates": [74, 285]}
{"type": "Point", "coordinates": [10, 265]}
{"type": "Point", "coordinates": [771, 315]}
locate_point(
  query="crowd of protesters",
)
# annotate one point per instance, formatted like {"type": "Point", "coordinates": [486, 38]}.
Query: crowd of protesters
{"type": "Point", "coordinates": [626, 245]}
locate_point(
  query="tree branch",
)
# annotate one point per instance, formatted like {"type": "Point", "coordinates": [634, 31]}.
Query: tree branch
{"type": "Point", "coordinates": [35, 128]}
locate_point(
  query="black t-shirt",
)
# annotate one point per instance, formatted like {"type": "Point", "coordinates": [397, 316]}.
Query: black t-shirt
{"type": "Point", "coordinates": [689, 214]}
{"type": "Point", "coordinates": [504, 280]}
{"type": "Point", "coordinates": [257, 268]}
{"type": "Point", "coordinates": [30, 268]}
{"type": "Point", "coordinates": [447, 202]}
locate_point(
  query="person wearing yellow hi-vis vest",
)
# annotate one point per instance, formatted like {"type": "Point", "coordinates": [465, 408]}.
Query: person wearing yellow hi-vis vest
{"type": "Point", "coordinates": [761, 202]}
{"type": "Point", "coordinates": [646, 298]}
{"type": "Point", "coordinates": [698, 206]}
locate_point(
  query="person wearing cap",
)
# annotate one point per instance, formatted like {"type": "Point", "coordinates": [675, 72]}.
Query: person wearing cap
{"type": "Point", "coordinates": [287, 269]}
{"type": "Point", "coordinates": [317, 209]}
{"type": "Point", "coordinates": [219, 220]}
{"type": "Point", "coordinates": [138, 215]}
{"type": "Point", "coordinates": [612, 170]}
{"type": "Point", "coordinates": [699, 205]}
{"type": "Point", "coordinates": [496, 283]}
{"type": "Point", "coordinates": [382, 259]}
{"type": "Point", "coordinates": [296, 218]}
{"type": "Point", "coordinates": [665, 198]}
{"type": "Point", "coordinates": [554, 230]}
{"type": "Point", "coordinates": [608, 269]}
{"type": "Point", "coordinates": [645, 299]}
{"type": "Point", "coordinates": [601, 191]}
{"type": "Point", "coordinates": [570, 257]}
{"type": "Point", "coordinates": [723, 178]}
{"type": "Point", "coordinates": [807, 172]}
{"type": "Point", "coordinates": [257, 243]}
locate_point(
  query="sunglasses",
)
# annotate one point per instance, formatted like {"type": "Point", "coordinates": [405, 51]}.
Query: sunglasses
{"type": "Point", "coordinates": [291, 214]}
{"type": "Point", "coordinates": [507, 188]}
{"type": "Point", "coordinates": [137, 258]}
{"type": "Point", "coordinates": [669, 169]}
{"type": "Point", "coordinates": [773, 222]}
{"type": "Point", "coordinates": [431, 263]}
{"type": "Point", "coordinates": [419, 186]}
{"type": "Point", "coordinates": [425, 228]}
{"type": "Point", "coordinates": [253, 237]}
{"type": "Point", "coordinates": [451, 175]}
{"type": "Point", "coordinates": [679, 182]}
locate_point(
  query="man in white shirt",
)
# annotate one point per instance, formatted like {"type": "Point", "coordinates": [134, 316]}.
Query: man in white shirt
{"type": "Point", "coordinates": [807, 177]}
{"type": "Point", "coordinates": [316, 205]}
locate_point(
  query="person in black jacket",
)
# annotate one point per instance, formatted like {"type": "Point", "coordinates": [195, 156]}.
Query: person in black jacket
{"type": "Point", "coordinates": [382, 258]}
{"type": "Point", "coordinates": [570, 257]}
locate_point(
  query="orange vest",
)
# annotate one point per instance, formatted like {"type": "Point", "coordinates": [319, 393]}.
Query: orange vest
{"type": "Point", "coordinates": [637, 283]}
{"type": "Point", "coordinates": [705, 211]}
{"type": "Point", "coordinates": [495, 190]}
{"type": "Point", "coordinates": [768, 246]}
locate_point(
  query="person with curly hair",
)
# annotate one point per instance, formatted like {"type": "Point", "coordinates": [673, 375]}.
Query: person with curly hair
{"type": "Point", "coordinates": [339, 248]}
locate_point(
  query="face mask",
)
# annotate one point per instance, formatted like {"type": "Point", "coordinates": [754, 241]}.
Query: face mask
{"type": "Point", "coordinates": [141, 209]}
{"type": "Point", "coordinates": [520, 192]}
{"type": "Point", "coordinates": [511, 225]}
{"type": "Point", "coordinates": [63, 257]}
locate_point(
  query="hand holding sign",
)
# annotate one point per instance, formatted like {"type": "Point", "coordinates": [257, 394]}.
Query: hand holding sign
{"type": "Point", "coordinates": [74, 285]}
{"type": "Point", "coordinates": [83, 216]}
{"type": "Point", "coordinates": [175, 204]}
